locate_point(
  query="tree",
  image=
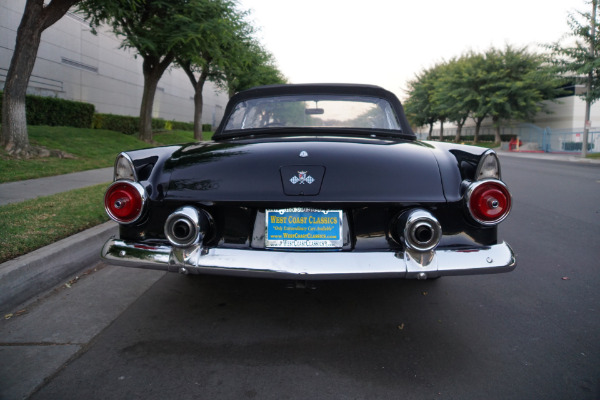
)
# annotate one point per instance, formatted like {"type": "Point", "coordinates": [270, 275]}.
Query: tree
{"type": "Point", "coordinates": [456, 90]}
{"type": "Point", "coordinates": [507, 84]}
{"type": "Point", "coordinates": [481, 92]}
{"type": "Point", "coordinates": [516, 84]}
{"type": "Point", "coordinates": [421, 107]}
{"type": "Point", "coordinates": [253, 66]}
{"type": "Point", "coordinates": [36, 18]}
{"type": "Point", "coordinates": [157, 30]}
{"type": "Point", "coordinates": [581, 62]}
{"type": "Point", "coordinates": [213, 49]}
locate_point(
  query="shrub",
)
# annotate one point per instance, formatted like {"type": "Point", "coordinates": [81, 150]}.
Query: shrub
{"type": "Point", "coordinates": [120, 123]}
{"type": "Point", "coordinates": [482, 138]}
{"type": "Point", "coordinates": [576, 146]}
{"type": "Point", "coordinates": [158, 124]}
{"type": "Point", "coordinates": [182, 126]}
{"type": "Point", "coordinates": [131, 125]}
{"type": "Point", "coordinates": [57, 112]}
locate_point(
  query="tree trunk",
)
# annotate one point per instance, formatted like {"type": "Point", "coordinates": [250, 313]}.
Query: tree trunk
{"type": "Point", "coordinates": [498, 137]}
{"type": "Point", "coordinates": [15, 139]}
{"type": "Point", "coordinates": [478, 122]}
{"type": "Point", "coordinates": [14, 123]}
{"type": "Point", "coordinates": [36, 18]}
{"type": "Point", "coordinates": [150, 85]}
{"type": "Point", "coordinates": [153, 71]}
{"type": "Point", "coordinates": [198, 85]}
{"type": "Point", "coordinates": [199, 105]}
{"type": "Point", "coordinates": [458, 132]}
{"type": "Point", "coordinates": [441, 130]}
{"type": "Point", "coordinates": [430, 131]}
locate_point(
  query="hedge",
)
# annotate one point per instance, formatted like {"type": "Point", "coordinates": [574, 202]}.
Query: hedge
{"type": "Point", "coordinates": [59, 112]}
{"type": "Point", "coordinates": [185, 126]}
{"type": "Point", "coordinates": [576, 146]}
{"type": "Point", "coordinates": [130, 125]}
{"type": "Point", "coordinates": [182, 126]}
{"type": "Point", "coordinates": [118, 123]}
{"type": "Point", "coordinates": [482, 138]}
{"type": "Point", "coordinates": [56, 112]}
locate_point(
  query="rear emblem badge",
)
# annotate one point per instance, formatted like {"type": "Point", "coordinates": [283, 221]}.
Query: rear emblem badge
{"type": "Point", "coordinates": [303, 154]}
{"type": "Point", "coordinates": [302, 178]}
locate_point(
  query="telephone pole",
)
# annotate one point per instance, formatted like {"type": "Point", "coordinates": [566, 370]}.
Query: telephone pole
{"type": "Point", "coordinates": [588, 102]}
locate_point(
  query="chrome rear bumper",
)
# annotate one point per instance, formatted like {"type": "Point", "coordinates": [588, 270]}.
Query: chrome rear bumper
{"type": "Point", "coordinates": [315, 265]}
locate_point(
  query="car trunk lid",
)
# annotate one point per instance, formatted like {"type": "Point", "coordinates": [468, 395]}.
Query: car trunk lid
{"type": "Point", "coordinates": [301, 170]}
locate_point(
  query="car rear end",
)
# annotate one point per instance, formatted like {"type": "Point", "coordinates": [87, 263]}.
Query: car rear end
{"type": "Point", "coordinates": [227, 209]}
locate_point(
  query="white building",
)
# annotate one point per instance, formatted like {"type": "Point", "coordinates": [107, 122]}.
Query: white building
{"type": "Point", "coordinates": [74, 64]}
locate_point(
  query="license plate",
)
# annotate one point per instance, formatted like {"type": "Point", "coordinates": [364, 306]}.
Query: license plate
{"type": "Point", "coordinates": [303, 228]}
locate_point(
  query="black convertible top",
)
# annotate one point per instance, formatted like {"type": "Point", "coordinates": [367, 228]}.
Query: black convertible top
{"type": "Point", "coordinates": [318, 88]}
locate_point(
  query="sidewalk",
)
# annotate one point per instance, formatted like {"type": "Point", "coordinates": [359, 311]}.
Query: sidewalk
{"type": "Point", "coordinates": [549, 156]}
{"type": "Point", "coordinates": [14, 192]}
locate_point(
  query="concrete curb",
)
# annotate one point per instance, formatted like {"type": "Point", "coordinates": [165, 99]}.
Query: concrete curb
{"type": "Point", "coordinates": [31, 274]}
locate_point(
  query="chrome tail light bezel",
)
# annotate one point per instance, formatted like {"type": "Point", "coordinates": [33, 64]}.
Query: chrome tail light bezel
{"type": "Point", "coordinates": [473, 194]}
{"type": "Point", "coordinates": [129, 192]}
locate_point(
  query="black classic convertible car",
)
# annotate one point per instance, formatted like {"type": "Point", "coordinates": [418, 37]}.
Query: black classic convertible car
{"type": "Point", "coordinates": [311, 182]}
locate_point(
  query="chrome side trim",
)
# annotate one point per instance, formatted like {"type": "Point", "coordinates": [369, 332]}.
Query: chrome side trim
{"type": "Point", "coordinates": [311, 265]}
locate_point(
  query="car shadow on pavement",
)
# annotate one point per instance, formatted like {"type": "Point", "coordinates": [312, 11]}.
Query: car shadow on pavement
{"type": "Point", "coordinates": [212, 329]}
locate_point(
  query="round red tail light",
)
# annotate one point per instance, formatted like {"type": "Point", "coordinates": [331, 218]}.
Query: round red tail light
{"type": "Point", "coordinates": [124, 201]}
{"type": "Point", "coordinates": [488, 201]}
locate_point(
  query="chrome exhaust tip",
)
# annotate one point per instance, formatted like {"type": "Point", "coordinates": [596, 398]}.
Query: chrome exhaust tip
{"type": "Point", "coordinates": [419, 230]}
{"type": "Point", "coordinates": [186, 227]}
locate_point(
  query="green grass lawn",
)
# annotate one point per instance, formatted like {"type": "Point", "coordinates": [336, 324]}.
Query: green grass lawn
{"type": "Point", "coordinates": [32, 224]}
{"type": "Point", "coordinates": [93, 148]}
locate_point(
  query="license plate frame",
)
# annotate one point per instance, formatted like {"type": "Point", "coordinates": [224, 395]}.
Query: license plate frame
{"type": "Point", "coordinates": [303, 228]}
